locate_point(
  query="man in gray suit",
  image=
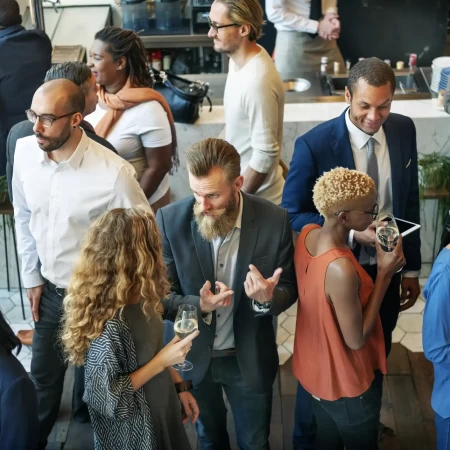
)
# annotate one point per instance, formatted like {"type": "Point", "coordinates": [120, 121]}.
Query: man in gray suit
{"type": "Point", "coordinates": [230, 254]}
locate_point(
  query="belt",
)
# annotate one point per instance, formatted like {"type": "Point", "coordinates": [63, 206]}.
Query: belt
{"type": "Point", "coordinates": [222, 353]}
{"type": "Point", "coordinates": [60, 291]}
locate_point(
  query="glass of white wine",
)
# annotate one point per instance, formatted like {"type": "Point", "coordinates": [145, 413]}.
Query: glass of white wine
{"type": "Point", "coordinates": [387, 234]}
{"type": "Point", "coordinates": [186, 322]}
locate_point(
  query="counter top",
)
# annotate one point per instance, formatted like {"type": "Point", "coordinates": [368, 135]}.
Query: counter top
{"type": "Point", "coordinates": [318, 112]}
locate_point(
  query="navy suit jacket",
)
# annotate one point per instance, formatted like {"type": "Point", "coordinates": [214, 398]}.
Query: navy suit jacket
{"type": "Point", "coordinates": [266, 242]}
{"type": "Point", "coordinates": [328, 146]}
{"type": "Point", "coordinates": [25, 57]}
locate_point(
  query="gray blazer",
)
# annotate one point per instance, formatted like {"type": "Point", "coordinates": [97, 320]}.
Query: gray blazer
{"type": "Point", "coordinates": [266, 242]}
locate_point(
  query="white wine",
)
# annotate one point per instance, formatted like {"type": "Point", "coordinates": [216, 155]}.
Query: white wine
{"type": "Point", "coordinates": [184, 327]}
{"type": "Point", "coordinates": [387, 237]}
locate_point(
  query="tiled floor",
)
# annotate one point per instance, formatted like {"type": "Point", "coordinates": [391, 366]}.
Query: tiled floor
{"type": "Point", "coordinates": [408, 331]}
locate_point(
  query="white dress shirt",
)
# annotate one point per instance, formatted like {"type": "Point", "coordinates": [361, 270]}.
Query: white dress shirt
{"type": "Point", "coordinates": [293, 15]}
{"type": "Point", "coordinates": [54, 204]}
{"type": "Point", "coordinates": [359, 143]}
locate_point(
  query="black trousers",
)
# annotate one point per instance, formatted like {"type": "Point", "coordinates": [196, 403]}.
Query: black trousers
{"type": "Point", "coordinates": [350, 423]}
{"type": "Point", "coordinates": [48, 367]}
{"type": "Point", "coordinates": [390, 307]}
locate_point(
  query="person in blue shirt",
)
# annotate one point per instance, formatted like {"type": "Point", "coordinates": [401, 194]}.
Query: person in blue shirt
{"type": "Point", "coordinates": [436, 342]}
{"type": "Point", "coordinates": [19, 423]}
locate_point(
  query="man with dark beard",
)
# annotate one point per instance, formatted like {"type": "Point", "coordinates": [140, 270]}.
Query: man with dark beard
{"type": "Point", "coordinates": [230, 254]}
{"type": "Point", "coordinates": [62, 181]}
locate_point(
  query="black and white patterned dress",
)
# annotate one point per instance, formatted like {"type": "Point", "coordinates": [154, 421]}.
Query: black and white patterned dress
{"type": "Point", "coordinates": [121, 418]}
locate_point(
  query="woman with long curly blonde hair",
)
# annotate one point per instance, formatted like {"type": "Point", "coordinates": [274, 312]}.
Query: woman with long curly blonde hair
{"type": "Point", "coordinates": [113, 326]}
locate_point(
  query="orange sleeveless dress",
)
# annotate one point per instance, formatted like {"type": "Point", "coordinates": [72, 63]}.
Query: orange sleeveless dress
{"type": "Point", "coordinates": [325, 366]}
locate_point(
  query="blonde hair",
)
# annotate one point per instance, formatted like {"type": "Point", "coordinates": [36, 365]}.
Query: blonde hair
{"type": "Point", "coordinates": [338, 186]}
{"type": "Point", "coordinates": [120, 259]}
{"type": "Point", "coordinates": [246, 12]}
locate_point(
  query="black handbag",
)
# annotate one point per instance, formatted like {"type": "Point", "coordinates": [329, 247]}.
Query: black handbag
{"type": "Point", "coordinates": [185, 97]}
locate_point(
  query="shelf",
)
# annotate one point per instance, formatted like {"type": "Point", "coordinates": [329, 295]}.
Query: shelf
{"type": "Point", "coordinates": [177, 41]}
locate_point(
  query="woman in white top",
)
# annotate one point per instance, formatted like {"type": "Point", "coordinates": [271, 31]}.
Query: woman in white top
{"type": "Point", "coordinates": [133, 117]}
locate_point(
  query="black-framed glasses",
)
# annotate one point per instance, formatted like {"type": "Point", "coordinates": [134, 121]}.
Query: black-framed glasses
{"type": "Point", "coordinates": [46, 120]}
{"type": "Point", "coordinates": [373, 213]}
{"type": "Point", "coordinates": [216, 28]}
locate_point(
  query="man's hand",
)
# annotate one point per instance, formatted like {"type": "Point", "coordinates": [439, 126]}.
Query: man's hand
{"type": "Point", "coordinates": [210, 302]}
{"type": "Point", "coordinates": [410, 292]}
{"type": "Point", "coordinates": [368, 237]}
{"type": "Point", "coordinates": [329, 26]}
{"type": "Point", "coordinates": [189, 407]}
{"type": "Point", "coordinates": [34, 295]}
{"type": "Point", "coordinates": [259, 289]}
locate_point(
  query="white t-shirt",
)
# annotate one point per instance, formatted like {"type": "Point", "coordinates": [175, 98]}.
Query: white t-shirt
{"type": "Point", "coordinates": [254, 110]}
{"type": "Point", "coordinates": [144, 125]}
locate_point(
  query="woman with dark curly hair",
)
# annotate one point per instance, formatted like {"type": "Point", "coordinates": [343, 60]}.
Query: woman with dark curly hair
{"type": "Point", "coordinates": [134, 118]}
{"type": "Point", "coordinates": [19, 423]}
{"type": "Point", "coordinates": [113, 326]}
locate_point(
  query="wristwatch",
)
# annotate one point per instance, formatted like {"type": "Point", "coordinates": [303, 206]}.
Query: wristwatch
{"type": "Point", "coordinates": [183, 386]}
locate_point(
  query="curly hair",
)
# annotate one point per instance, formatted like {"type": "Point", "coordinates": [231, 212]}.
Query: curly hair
{"type": "Point", "coordinates": [127, 43]}
{"type": "Point", "coordinates": [120, 259]}
{"type": "Point", "coordinates": [338, 186]}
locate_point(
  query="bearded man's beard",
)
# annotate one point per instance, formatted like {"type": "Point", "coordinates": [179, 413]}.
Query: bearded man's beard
{"type": "Point", "coordinates": [219, 223]}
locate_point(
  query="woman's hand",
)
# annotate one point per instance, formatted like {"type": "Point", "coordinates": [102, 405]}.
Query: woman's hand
{"type": "Point", "coordinates": [189, 407]}
{"type": "Point", "coordinates": [175, 351]}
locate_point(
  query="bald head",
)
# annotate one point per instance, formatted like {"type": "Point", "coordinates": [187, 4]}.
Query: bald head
{"type": "Point", "coordinates": [64, 95]}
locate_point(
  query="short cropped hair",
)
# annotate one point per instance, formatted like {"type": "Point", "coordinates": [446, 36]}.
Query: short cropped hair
{"type": "Point", "coordinates": [372, 70]}
{"type": "Point", "coordinates": [206, 154]}
{"type": "Point", "coordinates": [338, 186]}
{"type": "Point", "coordinates": [9, 14]}
{"type": "Point", "coordinates": [246, 12]}
{"type": "Point", "coordinates": [77, 72]}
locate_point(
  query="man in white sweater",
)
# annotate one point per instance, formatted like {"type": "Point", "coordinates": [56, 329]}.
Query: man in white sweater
{"type": "Point", "coordinates": [254, 96]}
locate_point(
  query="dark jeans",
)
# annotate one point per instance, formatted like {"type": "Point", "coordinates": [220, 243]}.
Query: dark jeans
{"type": "Point", "coordinates": [305, 424]}
{"type": "Point", "coordinates": [251, 410]}
{"type": "Point", "coordinates": [47, 362]}
{"type": "Point", "coordinates": [442, 432]}
{"type": "Point", "coordinates": [350, 423]}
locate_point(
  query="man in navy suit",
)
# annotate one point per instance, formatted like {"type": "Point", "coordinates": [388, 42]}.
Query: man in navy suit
{"type": "Point", "coordinates": [368, 138]}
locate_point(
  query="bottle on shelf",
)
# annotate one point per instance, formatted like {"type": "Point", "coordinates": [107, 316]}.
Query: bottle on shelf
{"type": "Point", "coordinates": [155, 58]}
{"type": "Point", "coordinates": [412, 62]}
{"type": "Point", "coordinates": [323, 64]}
{"type": "Point", "coordinates": [167, 62]}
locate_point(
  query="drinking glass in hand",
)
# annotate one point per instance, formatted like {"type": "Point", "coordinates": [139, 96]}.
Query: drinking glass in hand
{"type": "Point", "coordinates": [387, 234]}
{"type": "Point", "coordinates": [186, 323]}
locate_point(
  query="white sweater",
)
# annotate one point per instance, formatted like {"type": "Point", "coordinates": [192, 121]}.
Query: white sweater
{"type": "Point", "coordinates": [254, 109]}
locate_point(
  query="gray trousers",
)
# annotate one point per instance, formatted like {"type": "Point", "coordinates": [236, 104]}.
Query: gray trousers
{"type": "Point", "coordinates": [299, 52]}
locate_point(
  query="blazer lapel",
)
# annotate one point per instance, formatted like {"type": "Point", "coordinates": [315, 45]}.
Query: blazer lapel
{"type": "Point", "coordinates": [395, 157]}
{"type": "Point", "coordinates": [247, 243]}
{"type": "Point", "coordinates": [341, 143]}
{"type": "Point", "coordinates": [204, 255]}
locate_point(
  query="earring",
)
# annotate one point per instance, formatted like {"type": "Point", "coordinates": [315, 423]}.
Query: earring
{"type": "Point", "coordinates": [74, 126]}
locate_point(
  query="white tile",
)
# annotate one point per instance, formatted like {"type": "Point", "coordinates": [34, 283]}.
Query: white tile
{"type": "Point", "coordinates": [423, 281]}
{"type": "Point", "coordinates": [292, 311]}
{"type": "Point", "coordinates": [6, 305]}
{"type": "Point", "coordinates": [282, 335]}
{"type": "Point", "coordinates": [15, 315]}
{"type": "Point", "coordinates": [411, 323]}
{"type": "Point", "coordinates": [397, 335]}
{"type": "Point", "coordinates": [15, 297]}
{"type": "Point", "coordinates": [418, 307]}
{"type": "Point", "coordinates": [281, 318]}
{"type": "Point", "coordinates": [413, 342]}
{"type": "Point", "coordinates": [289, 324]}
{"type": "Point", "coordinates": [26, 363]}
{"type": "Point", "coordinates": [289, 344]}
{"type": "Point", "coordinates": [7, 294]}
{"type": "Point", "coordinates": [16, 327]}
{"type": "Point", "coordinates": [283, 355]}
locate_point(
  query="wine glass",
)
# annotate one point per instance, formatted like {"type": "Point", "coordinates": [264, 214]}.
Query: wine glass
{"type": "Point", "coordinates": [186, 322]}
{"type": "Point", "coordinates": [387, 234]}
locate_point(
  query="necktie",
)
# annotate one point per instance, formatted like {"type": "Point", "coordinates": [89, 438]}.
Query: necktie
{"type": "Point", "coordinates": [372, 171]}
{"type": "Point", "coordinates": [315, 13]}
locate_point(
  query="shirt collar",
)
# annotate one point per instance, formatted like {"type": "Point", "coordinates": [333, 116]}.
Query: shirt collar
{"type": "Point", "coordinates": [10, 30]}
{"type": "Point", "coordinates": [77, 156]}
{"type": "Point", "coordinates": [241, 207]}
{"type": "Point", "coordinates": [357, 136]}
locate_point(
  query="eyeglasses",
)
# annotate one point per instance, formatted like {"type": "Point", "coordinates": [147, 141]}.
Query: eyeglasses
{"type": "Point", "coordinates": [216, 28]}
{"type": "Point", "coordinates": [373, 213]}
{"type": "Point", "coordinates": [46, 121]}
